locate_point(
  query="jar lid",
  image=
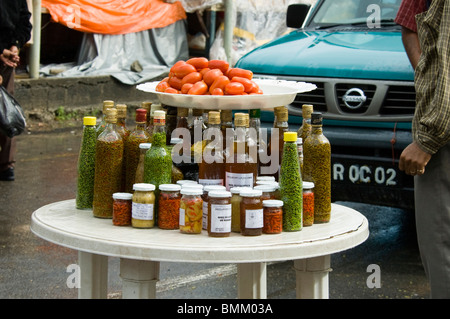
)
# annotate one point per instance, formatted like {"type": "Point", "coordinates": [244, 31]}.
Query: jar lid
{"type": "Point", "coordinates": [159, 114]}
{"type": "Point", "coordinates": [208, 188]}
{"type": "Point", "coordinates": [89, 120]}
{"type": "Point", "coordinates": [267, 187]}
{"type": "Point", "coordinates": [237, 190]}
{"type": "Point", "coordinates": [272, 203]}
{"type": "Point", "coordinates": [185, 181]}
{"type": "Point", "coordinates": [265, 178]}
{"type": "Point", "coordinates": [308, 185]}
{"type": "Point", "coordinates": [191, 191]}
{"type": "Point", "coordinates": [192, 185]}
{"type": "Point", "coordinates": [251, 192]}
{"type": "Point", "coordinates": [125, 196]}
{"type": "Point", "coordinates": [145, 145]}
{"type": "Point", "coordinates": [169, 187]}
{"type": "Point", "coordinates": [259, 183]}
{"type": "Point", "coordinates": [290, 136]}
{"type": "Point", "coordinates": [220, 194]}
{"type": "Point", "coordinates": [143, 187]}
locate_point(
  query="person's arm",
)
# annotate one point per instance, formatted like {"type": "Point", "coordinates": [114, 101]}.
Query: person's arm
{"type": "Point", "coordinates": [412, 46]}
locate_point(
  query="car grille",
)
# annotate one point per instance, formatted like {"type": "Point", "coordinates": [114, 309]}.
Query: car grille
{"type": "Point", "coordinates": [386, 100]}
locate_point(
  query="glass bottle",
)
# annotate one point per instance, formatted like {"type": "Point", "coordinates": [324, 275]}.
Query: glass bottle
{"type": "Point", "coordinates": [291, 185]}
{"type": "Point", "coordinates": [171, 121]}
{"type": "Point", "coordinates": [182, 118]}
{"type": "Point", "coordinates": [143, 148]}
{"type": "Point", "coordinates": [300, 154]}
{"type": "Point", "coordinates": [101, 126]}
{"type": "Point", "coordinates": [226, 122]}
{"type": "Point", "coordinates": [317, 168]}
{"type": "Point", "coordinates": [206, 190]}
{"type": "Point", "coordinates": [282, 125]}
{"type": "Point", "coordinates": [86, 164]}
{"type": "Point", "coordinates": [305, 128]}
{"type": "Point", "coordinates": [211, 168]}
{"type": "Point", "coordinates": [241, 166]}
{"type": "Point", "coordinates": [108, 166]}
{"type": "Point", "coordinates": [255, 123]}
{"type": "Point", "coordinates": [121, 121]}
{"type": "Point", "coordinates": [153, 108]}
{"type": "Point", "coordinates": [148, 107]}
{"type": "Point", "coordinates": [191, 210]}
{"type": "Point", "coordinates": [132, 151]}
{"type": "Point", "coordinates": [252, 214]}
{"type": "Point", "coordinates": [197, 126]}
{"type": "Point", "coordinates": [158, 159]}
{"type": "Point", "coordinates": [219, 214]}
{"type": "Point", "coordinates": [143, 206]}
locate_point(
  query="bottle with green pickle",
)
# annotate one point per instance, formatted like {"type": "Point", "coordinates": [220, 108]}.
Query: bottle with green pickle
{"type": "Point", "coordinates": [291, 190]}
{"type": "Point", "coordinates": [305, 128]}
{"type": "Point", "coordinates": [101, 126]}
{"type": "Point", "coordinates": [158, 159]}
{"type": "Point", "coordinates": [132, 151]}
{"type": "Point", "coordinates": [317, 168]}
{"type": "Point", "coordinates": [108, 166]}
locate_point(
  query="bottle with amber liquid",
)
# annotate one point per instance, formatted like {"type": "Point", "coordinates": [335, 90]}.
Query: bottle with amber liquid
{"type": "Point", "coordinates": [241, 166]}
{"type": "Point", "coordinates": [211, 169]}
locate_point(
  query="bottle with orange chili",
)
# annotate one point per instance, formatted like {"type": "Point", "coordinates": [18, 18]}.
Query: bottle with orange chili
{"type": "Point", "coordinates": [169, 206]}
{"type": "Point", "coordinates": [273, 216]}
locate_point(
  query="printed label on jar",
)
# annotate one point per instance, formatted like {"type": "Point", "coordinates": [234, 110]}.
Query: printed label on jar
{"type": "Point", "coordinates": [238, 179]}
{"type": "Point", "coordinates": [221, 218]}
{"type": "Point", "coordinates": [142, 211]}
{"type": "Point", "coordinates": [205, 215]}
{"type": "Point", "coordinates": [254, 218]}
{"type": "Point", "coordinates": [181, 217]}
{"type": "Point", "coordinates": [210, 181]}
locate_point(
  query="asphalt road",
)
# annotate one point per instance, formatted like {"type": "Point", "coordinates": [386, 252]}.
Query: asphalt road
{"type": "Point", "coordinates": [32, 268]}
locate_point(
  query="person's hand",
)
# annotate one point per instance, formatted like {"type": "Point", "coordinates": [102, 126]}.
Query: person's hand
{"type": "Point", "coordinates": [1, 80]}
{"type": "Point", "coordinates": [413, 160]}
{"type": "Point", "coordinates": [10, 58]}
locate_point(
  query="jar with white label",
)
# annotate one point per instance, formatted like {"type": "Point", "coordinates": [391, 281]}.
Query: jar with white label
{"type": "Point", "coordinates": [252, 214]}
{"type": "Point", "coordinates": [191, 210]}
{"type": "Point", "coordinates": [206, 190]}
{"type": "Point", "coordinates": [219, 213]}
{"type": "Point", "coordinates": [143, 206]}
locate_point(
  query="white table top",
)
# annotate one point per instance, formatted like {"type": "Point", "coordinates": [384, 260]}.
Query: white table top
{"type": "Point", "coordinates": [63, 224]}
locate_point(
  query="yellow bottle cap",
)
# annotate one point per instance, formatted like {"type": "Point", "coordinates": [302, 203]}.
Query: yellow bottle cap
{"type": "Point", "coordinates": [89, 120]}
{"type": "Point", "coordinates": [290, 136]}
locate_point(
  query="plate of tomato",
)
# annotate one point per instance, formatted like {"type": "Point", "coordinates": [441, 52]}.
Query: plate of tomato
{"type": "Point", "coordinates": [211, 84]}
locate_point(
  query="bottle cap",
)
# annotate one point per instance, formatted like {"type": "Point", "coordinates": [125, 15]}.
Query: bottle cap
{"type": "Point", "coordinates": [143, 187]}
{"type": "Point", "coordinates": [241, 119]}
{"type": "Point", "coordinates": [89, 120]}
{"type": "Point", "coordinates": [146, 105]}
{"type": "Point", "coordinates": [159, 114]}
{"type": "Point", "coordinates": [220, 194]}
{"type": "Point", "coordinates": [251, 192]}
{"type": "Point", "coordinates": [299, 141]}
{"type": "Point", "coordinates": [169, 187]}
{"type": "Point", "coordinates": [255, 113]}
{"type": "Point", "coordinates": [214, 117]}
{"type": "Point", "coordinates": [141, 115]}
{"type": "Point", "coordinates": [226, 115]}
{"type": "Point", "coordinates": [107, 104]}
{"type": "Point", "coordinates": [111, 115]}
{"type": "Point", "coordinates": [307, 109]}
{"type": "Point", "coordinates": [282, 114]}
{"type": "Point", "coordinates": [265, 178]}
{"type": "Point", "coordinates": [308, 185]}
{"type": "Point", "coordinates": [182, 111]}
{"type": "Point", "coordinates": [121, 111]}
{"type": "Point", "coordinates": [290, 136]}
{"type": "Point", "coordinates": [272, 203]}
{"type": "Point", "coordinates": [237, 190]}
{"type": "Point", "coordinates": [316, 118]}
{"type": "Point", "coordinates": [124, 196]}
{"type": "Point", "coordinates": [191, 191]}
{"type": "Point", "coordinates": [145, 145]}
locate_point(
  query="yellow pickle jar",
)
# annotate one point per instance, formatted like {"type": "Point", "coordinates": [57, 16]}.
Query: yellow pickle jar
{"type": "Point", "coordinates": [143, 206]}
{"type": "Point", "coordinates": [191, 210]}
{"type": "Point", "coordinates": [219, 213]}
{"type": "Point", "coordinates": [252, 215]}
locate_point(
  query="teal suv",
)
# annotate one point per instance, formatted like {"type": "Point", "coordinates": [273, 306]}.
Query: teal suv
{"type": "Point", "coordinates": [352, 51]}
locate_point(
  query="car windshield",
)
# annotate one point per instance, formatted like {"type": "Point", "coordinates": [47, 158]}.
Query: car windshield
{"type": "Point", "coordinates": [347, 12]}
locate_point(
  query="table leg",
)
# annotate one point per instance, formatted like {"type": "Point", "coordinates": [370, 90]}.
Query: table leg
{"type": "Point", "coordinates": [312, 277]}
{"type": "Point", "coordinates": [139, 278]}
{"type": "Point", "coordinates": [93, 276]}
{"type": "Point", "coordinates": [252, 280]}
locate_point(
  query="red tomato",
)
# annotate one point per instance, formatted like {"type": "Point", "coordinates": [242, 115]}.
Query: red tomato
{"type": "Point", "coordinates": [177, 64]}
{"type": "Point", "coordinates": [234, 88]}
{"type": "Point", "coordinates": [162, 86]}
{"type": "Point", "coordinates": [192, 78]}
{"type": "Point", "coordinates": [240, 72]}
{"type": "Point", "coordinates": [217, 91]}
{"type": "Point", "coordinates": [183, 69]}
{"type": "Point", "coordinates": [198, 63]}
{"type": "Point", "coordinates": [248, 84]}
{"type": "Point", "coordinates": [203, 71]}
{"type": "Point", "coordinates": [199, 88]}
{"type": "Point", "coordinates": [219, 64]}
{"type": "Point", "coordinates": [186, 87]}
{"type": "Point", "coordinates": [211, 76]}
{"type": "Point", "coordinates": [175, 82]}
{"type": "Point", "coordinates": [220, 83]}
{"type": "Point", "coordinates": [171, 90]}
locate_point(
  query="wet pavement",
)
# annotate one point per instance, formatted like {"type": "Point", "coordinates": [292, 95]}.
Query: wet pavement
{"type": "Point", "coordinates": [32, 268]}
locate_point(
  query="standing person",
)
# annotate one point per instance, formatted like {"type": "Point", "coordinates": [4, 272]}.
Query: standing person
{"type": "Point", "coordinates": [15, 31]}
{"type": "Point", "coordinates": [427, 157]}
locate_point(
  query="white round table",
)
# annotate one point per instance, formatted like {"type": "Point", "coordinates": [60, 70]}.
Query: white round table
{"type": "Point", "coordinates": [141, 250]}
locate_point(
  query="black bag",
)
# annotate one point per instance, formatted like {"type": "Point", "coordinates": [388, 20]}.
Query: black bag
{"type": "Point", "coordinates": [12, 118]}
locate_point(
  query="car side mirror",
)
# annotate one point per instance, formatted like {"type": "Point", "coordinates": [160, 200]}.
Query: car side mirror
{"type": "Point", "coordinates": [296, 15]}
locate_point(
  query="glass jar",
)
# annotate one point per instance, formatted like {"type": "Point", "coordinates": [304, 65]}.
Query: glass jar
{"type": "Point", "coordinates": [273, 216]}
{"type": "Point", "coordinates": [206, 190]}
{"type": "Point", "coordinates": [236, 208]}
{"type": "Point", "coordinates": [308, 203]}
{"type": "Point", "coordinates": [252, 217]}
{"type": "Point", "coordinates": [219, 213]}
{"type": "Point", "coordinates": [269, 191]}
{"type": "Point", "coordinates": [191, 210]}
{"type": "Point", "coordinates": [169, 206]}
{"type": "Point", "coordinates": [122, 209]}
{"type": "Point", "coordinates": [143, 207]}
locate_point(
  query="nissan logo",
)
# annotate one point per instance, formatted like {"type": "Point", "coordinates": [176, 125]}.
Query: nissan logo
{"type": "Point", "coordinates": [354, 98]}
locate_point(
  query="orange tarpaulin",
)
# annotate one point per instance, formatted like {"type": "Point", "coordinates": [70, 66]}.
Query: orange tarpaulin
{"type": "Point", "coordinates": [114, 16]}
